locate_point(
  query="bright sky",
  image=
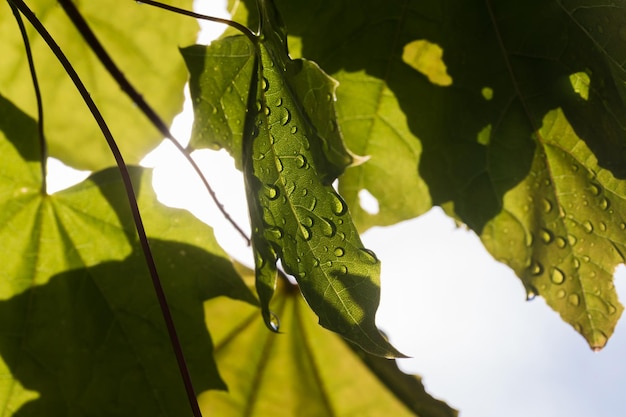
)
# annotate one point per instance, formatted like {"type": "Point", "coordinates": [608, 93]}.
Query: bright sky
{"type": "Point", "coordinates": [475, 340]}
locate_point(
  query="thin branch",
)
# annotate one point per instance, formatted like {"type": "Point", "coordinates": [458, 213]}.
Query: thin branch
{"type": "Point", "coordinates": [89, 36]}
{"type": "Point", "coordinates": [43, 145]}
{"type": "Point", "coordinates": [235, 25]}
{"type": "Point", "coordinates": [132, 200]}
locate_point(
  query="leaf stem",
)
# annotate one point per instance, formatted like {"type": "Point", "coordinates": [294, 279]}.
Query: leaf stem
{"type": "Point", "coordinates": [43, 145]}
{"type": "Point", "coordinates": [132, 199]}
{"type": "Point", "coordinates": [89, 36]}
{"type": "Point", "coordinates": [235, 25]}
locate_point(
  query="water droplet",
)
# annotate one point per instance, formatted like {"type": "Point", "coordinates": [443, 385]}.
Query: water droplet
{"type": "Point", "coordinates": [332, 125]}
{"type": "Point", "coordinates": [329, 97]}
{"type": "Point", "coordinates": [339, 251]}
{"type": "Point", "coordinates": [557, 276]}
{"type": "Point", "coordinates": [301, 161]}
{"type": "Point", "coordinates": [328, 227]}
{"type": "Point", "coordinates": [595, 189]}
{"type": "Point", "coordinates": [285, 117]}
{"type": "Point", "coordinates": [312, 204]}
{"type": "Point", "coordinates": [588, 226]}
{"type": "Point", "coordinates": [574, 299]}
{"type": "Point", "coordinates": [622, 226]}
{"type": "Point", "coordinates": [368, 256]}
{"type": "Point", "coordinates": [571, 239]}
{"type": "Point", "coordinates": [279, 102]}
{"type": "Point", "coordinates": [586, 258]}
{"type": "Point", "coordinates": [343, 269]}
{"type": "Point", "coordinates": [561, 242]}
{"type": "Point", "coordinates": [531, 293]}
{"type": "Point", "coordinates": [294, 130]}
{"type": "Point", "coordinates": [267, 111]}
{"type": "Point", "coordinates": [546, 236]}
{"type": "Point", "coordinates": [605, 203]}
{"type": "Point", "coordinates": [271, 191]}
{"type": "Point", "coordinates": [274, 322]}
{"type": "Point", "coordinates": [576, 263]}
{"type": "Point", "coordinates": [275, 232]}
{"type": "Point", "coordinates": [265, 84]}
{"type": "Point", "coordinates": [338, 206]}
{"type": "Point", "coordinates": [602, 226]}
{"type": "Point", "coordinates": [307, 221]}
{"type": "Point", "coordinates": [279, 165]}
{"type": "Point", "coordinates": [598, 340]}
{"type": "Point", "coordinates": [306, 232]}
{"type": "Point", "coordinates": [560, 294]}
{"type": "Point", "coordinates": [536, 268]}
{"type": "Point", "coordinates": [547, 205]}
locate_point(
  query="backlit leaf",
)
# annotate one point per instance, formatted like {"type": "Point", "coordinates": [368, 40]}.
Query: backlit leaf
{"type": "Point", "coordinates": [534, 88]}
{"type": "Point", "coordinates": [81, 332]}
{"type": "Point", "coordinates": [292, 151]}
{"type": "Point", "coordinates": [332, 379]}
{"type": "Point", "coordinates": [142, 40]}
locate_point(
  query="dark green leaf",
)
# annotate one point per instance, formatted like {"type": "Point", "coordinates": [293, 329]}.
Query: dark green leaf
{"type": "Point", "coordinates": [491, 104]}
{"type": "Point", "coordinates": [81, 332]}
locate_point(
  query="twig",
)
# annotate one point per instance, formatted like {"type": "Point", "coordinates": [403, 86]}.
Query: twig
{"type": "Point", "coordinates": [132, 200]}
{"type": "Point", "coordinates": [89, 36]}
{"type": "Point", "coordinates": [43, 146]}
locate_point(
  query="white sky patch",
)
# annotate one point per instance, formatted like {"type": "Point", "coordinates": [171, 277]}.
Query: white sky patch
{"type": "Point", "coordinates": [368, 202]}
{"type": "Point", "coordinates": [61, 176]}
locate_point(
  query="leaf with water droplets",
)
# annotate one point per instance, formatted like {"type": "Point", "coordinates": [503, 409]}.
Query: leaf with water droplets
{"type": "Point", "coordinates": [292, 151]}
{"type": "Point", "coordinates": [320, 247]}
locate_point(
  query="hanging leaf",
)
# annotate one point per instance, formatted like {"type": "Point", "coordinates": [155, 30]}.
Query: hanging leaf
{"type": "Point", "coordinates": [141, 40]}
{"type": "Point", "coordinates": [260, 368]}
{"type": "Point", "coordinates": [531, 90]}
{"type": "Point", "coordinates": [292, 151]}
{"type": "Point", "coordinates": [81, 329]}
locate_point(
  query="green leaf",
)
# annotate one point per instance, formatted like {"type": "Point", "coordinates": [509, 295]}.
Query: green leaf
{"type": "Point", "coordinates": [143, 41]}
{"type": "Point", "coordinates": [332, 377]}
{"type": "Point", "coordinates": [530, 89]}
{"type": "Point", "coordinates": [81, 331]}
{"type": "Point", "coordinates": [292, 151]}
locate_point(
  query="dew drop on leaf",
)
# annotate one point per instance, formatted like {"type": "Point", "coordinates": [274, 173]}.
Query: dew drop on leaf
{"type": "Point", "coordinates": [622, 226]}
{"type": "Point", "coordinates": [605, 203]}
{"type": "Point", "coordinates": [294, 130]}
{"type": "Point", "coordinates": [307, 221]}
{"type": "Point", "coordinates": [274, 322]}
{"type": "Point", "coordinates": [576, 263]}
{"type": "Point", "coordinates": [536, 268]}
{"type": "Point", "coordinates": [560, 294]}
{"type": "Point", "coordinates": [547, 205]}
{"type": "Point", "coordinates": [285, 117]}
{"type": "Point", "coordinates": [572, 240]}
{"type": "Point", "coordinates": [602, 226]}
{"type": "Point", "coordinates": [275, 232]}
{"type": "Point", "coordinates": [588, 226]}
{"type": "Point", "coordinates": [368, 256]}
{"type": "Point", "coordinates": [306, 232]}
{"type": "Point", "coordinates": [301, 161]}
{"type": "Point", "coordinates": [328, 227]}
{"type": "Point", "coordinates": [279, 165]}
{"type": "Point", "coordinates": [595, 189]}
{"type": "Point", "coordinates": [574, 299]}
{"type": "Point", "coordinates": [339, 251]}
{"type": "Point", "coordinates": [265, 84]}
{"type": "Point", "coordinates": [557, 276]}
{"type": "Point", "coordinates": [271, 191]}
{"type": "Point", "coordinates": [546, 236]}
{"type": "Point", "coordinates": [561, 242]}
{"type": "Point", "coordinates": [338, 206]}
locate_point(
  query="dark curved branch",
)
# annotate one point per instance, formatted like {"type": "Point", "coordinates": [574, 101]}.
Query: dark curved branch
{"type": "Point", "coordinates": [132, 200]}
{"type": "Point", "coordinates": [235, 25]}
{"type": "Point", "coordinates": [43, 145]}
{"type": "Point", "coordinates": [89, 36]}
